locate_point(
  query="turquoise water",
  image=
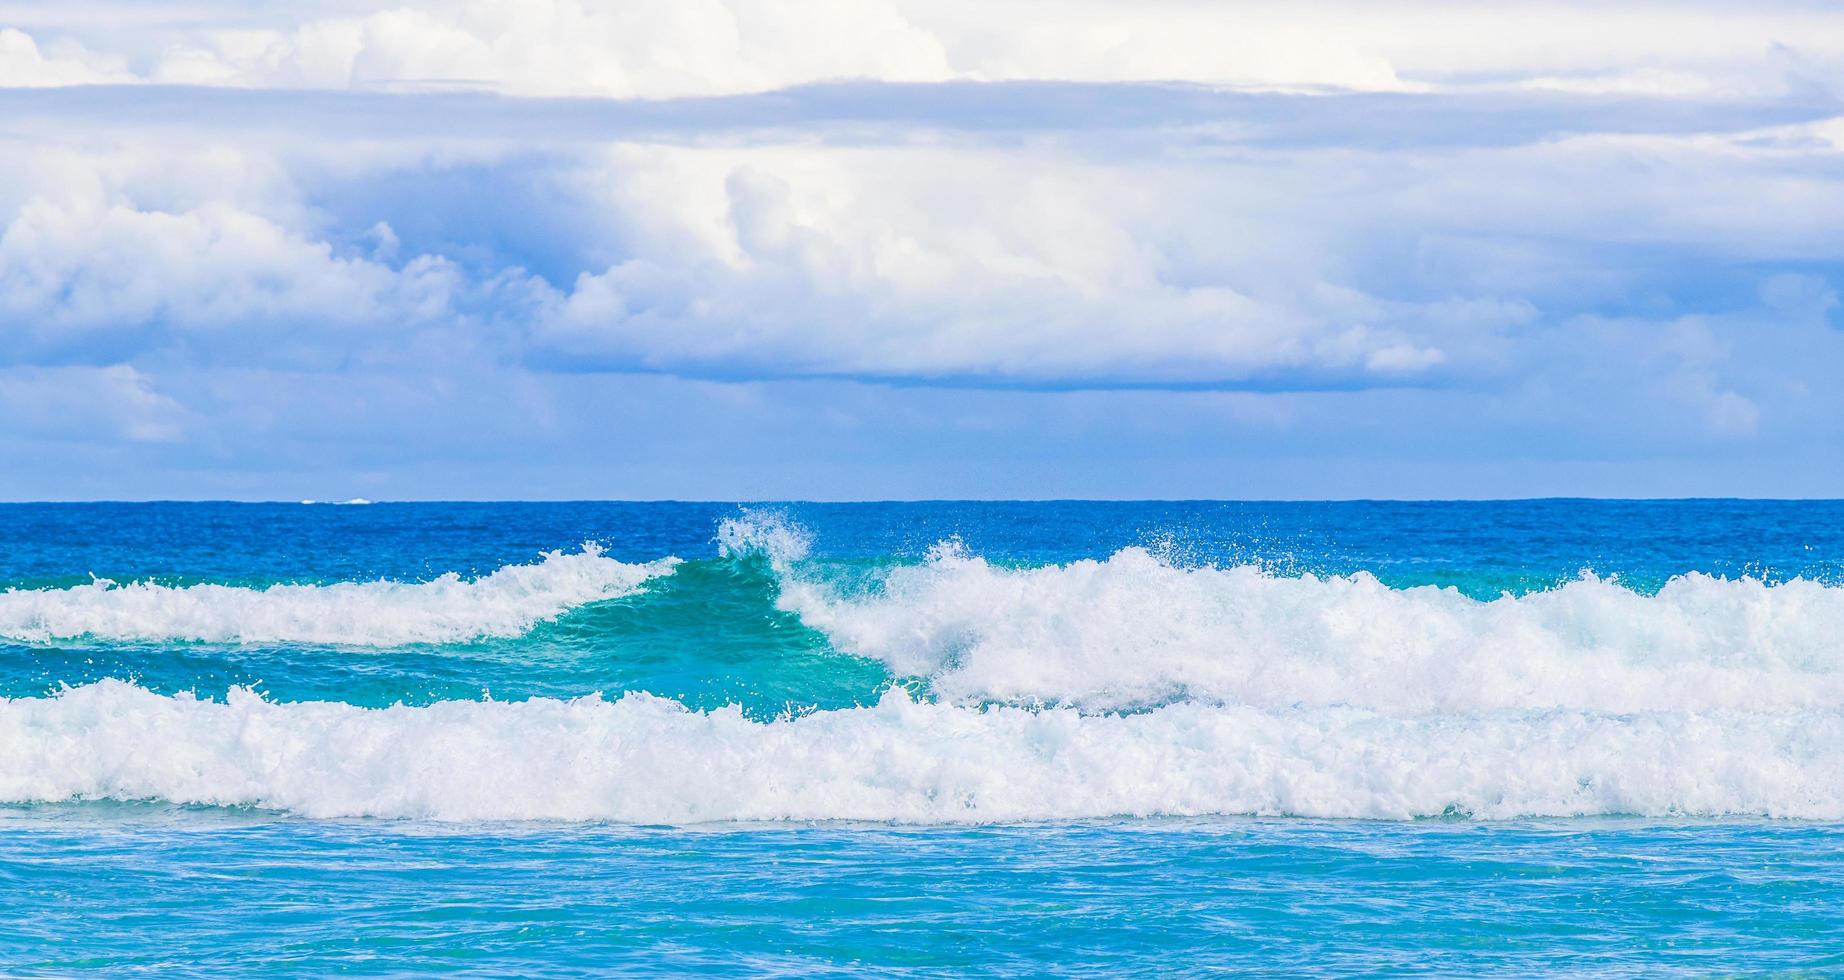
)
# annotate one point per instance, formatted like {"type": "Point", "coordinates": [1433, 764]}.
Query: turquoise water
{"type": "Point", "coordinates": [157, 890]}
{"type": "Point", "coordinates": [1560, 736]}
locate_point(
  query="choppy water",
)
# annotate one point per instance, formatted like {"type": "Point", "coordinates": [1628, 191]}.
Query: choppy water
{"type": "Point", "coordinates": [1523, 737]}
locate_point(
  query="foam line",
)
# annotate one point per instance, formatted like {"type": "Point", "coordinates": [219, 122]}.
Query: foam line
{"type": "Point", "coordinates": [507, 602]}
{"type": "Point", "coordinates": [643, 759]}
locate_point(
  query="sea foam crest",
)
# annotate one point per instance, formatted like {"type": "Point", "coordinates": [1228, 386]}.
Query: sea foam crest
{"type": "Point", "coordinates": [507, 602]}
{"type": "Point", "coordinates": [643, 759]}
{"type": "Point", "coordinates": [769, 533]}
{"type": "Point", "coordinates": [1134, 631]}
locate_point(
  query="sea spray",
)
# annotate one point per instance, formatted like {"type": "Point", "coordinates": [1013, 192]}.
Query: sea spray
{"type": "Point", "coordinates": [1131, 631]}
{"type": "Point", "coordinates": [765, 532]}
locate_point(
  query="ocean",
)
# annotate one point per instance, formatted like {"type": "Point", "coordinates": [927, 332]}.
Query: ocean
{"type": "Point", "coordinates": [939, 738]}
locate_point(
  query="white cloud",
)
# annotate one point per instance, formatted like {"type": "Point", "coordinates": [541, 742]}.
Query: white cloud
{"type": "Point", "coordinates": [651, 49]}
{"type": "Point", "coordinates": [1048, 260]}
{"type": "Point", "coordinates": [1470, 273]}
{"type": "Point", "coordinates": [112, 252]}
{"type": "Point", "coordinates": [983, 264]}
{"type": "Point", "coordinates": [663, 48]}
{"type": "Point", "coordinates": [1035, 262]}
{"type": "Point", "coordinates": [957, 263]}
{"type": "Point", "coordinates": [72, 267]}
{"type": "Point", "coordinates": [23, 64]}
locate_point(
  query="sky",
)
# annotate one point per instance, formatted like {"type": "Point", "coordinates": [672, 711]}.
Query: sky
{"type": "Point", "coordinates": [876, 249]}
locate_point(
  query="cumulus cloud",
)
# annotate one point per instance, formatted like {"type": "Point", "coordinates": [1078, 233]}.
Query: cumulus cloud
{"type": "Point", "coordinates": [74, 269]}
{"type": "Point", "coordinates": [23, 64]}
{"type": "Point", "coordinates": [1175, 260]}
{"type": "Point", "coordinates": [969, 265]}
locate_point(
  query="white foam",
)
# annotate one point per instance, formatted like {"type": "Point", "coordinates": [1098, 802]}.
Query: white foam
{"type": "Point", "coordinates": [507, 602]}
{"type": "Point", "coordinates": [757, 531]}
{"type": "Point", "coordinates": [1134, 631]}
{"type": "Point", "coordinates": [647, 760]}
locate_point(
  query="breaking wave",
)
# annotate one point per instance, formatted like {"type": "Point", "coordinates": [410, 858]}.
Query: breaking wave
{"type": "Point", "coordinates": [642, 759]}
{"type": "Point", "coordinates": [507, 602]}
{"type": "Point", "coordinates": [1133, 631]}
{"type": "Point", "coordinates": [1124, 686]}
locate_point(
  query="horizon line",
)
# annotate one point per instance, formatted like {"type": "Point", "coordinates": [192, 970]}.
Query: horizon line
{"type": "Point", "coordinates": [770, 501]}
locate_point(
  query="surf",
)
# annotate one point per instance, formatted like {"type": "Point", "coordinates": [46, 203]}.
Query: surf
{"type": "Point", "coordinates": [648, 760]}
{"type": "Point", "coordinates": [1134, 630]}
{"type": "Point", "coordinates": [449, 609]}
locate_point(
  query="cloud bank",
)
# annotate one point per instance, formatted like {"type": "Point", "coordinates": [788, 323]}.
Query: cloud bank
{"type": "Point", "coordinates": [1325, 241]}
{"type": "Point", "coordinates": [660, 49]}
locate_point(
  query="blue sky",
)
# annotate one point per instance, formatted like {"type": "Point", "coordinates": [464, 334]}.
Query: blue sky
{"type": "Point", "coordinates": [883, 249]}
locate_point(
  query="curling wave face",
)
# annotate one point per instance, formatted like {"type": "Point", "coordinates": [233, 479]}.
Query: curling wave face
{"type": "Point", "coordinates": [449, 609]}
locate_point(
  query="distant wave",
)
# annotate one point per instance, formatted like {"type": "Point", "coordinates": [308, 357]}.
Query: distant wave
{"type": "Point", "coordinates": [643, 759]}
{"type": "Point", "coordinates": [1133, 631]}
{"type": "Point", "coordinates": [507, 602]}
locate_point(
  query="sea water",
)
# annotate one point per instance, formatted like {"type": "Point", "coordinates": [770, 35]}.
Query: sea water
{"type": "Point", "coordinates": [1057, 737]}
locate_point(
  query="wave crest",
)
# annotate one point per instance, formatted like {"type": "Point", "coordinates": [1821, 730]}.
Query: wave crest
{"type": "Point", "coordinates": [768, 533]}
{"type": "Point", "coordinates": [1134, 631]}
{"type": "Point", "coordinates": [643, 759]}
{"type": "Point", "coordinates": [507, 602]}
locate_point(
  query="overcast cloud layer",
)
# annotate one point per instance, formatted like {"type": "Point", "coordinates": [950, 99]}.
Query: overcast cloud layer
{"type": "Point", "coordinates": [831, 249]}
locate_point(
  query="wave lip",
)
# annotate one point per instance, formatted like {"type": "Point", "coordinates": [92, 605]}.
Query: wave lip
{"type": "Point", "coordinates": [644, 759]}
{"type": "Point", "coordinates": [1133, 631]}
{"type": "Point", "coordinates": [765, 532]}
{"type": "Point", "coordinates": [507, 602]}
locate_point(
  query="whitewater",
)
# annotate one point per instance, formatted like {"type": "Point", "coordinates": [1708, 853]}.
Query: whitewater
{"type": "Point", "coordinates": [648, 760]}
{"type": "Point", "coordinates": [1132, 631]}
{"type": "Point", "coordinates": [507, 602]}
{"type": "Point", "coordinates": [1031, 684]}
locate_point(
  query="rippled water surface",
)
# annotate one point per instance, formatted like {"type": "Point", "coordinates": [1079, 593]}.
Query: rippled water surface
{"type": "Point", "coordinates": [159, 891]}
{"type": "Point", "coordinates": [1560, 736]}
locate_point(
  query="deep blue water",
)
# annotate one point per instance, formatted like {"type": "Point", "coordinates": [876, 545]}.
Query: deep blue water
{"type": "Point", "coordinates": [1526, 544]}
{"type": "Point", "coordinates": [1057, 737]}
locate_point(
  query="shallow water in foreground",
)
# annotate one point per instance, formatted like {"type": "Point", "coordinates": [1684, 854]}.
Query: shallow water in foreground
{"type": "Point", "coordinates": [140, 888]}
{"type": "Point", "coordinates": [939, 738]}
